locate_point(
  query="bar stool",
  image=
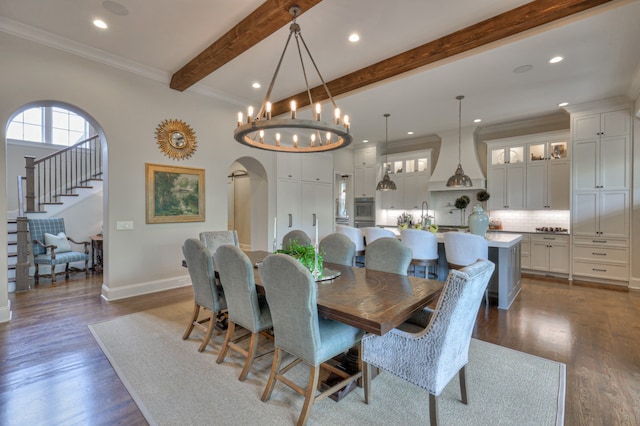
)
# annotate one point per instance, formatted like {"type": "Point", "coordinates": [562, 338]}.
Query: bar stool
{"type": "Point", "coordinates": [424, 246]}
{"type": "Point", "coordinates": [463, 249]}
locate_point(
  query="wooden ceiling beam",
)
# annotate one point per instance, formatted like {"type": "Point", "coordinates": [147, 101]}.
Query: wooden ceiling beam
{"type": "Point", "coordinates": [512, 22]}
{"type": "Point", "coordinates": [269, 17]}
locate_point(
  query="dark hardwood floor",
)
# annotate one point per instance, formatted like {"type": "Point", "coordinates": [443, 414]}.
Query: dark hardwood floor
{"type": "Point", "coordinates": [53, 372]}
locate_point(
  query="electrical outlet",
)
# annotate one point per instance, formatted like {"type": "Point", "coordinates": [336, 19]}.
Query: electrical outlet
{"type": "Point", "coordinates": [124, 225]}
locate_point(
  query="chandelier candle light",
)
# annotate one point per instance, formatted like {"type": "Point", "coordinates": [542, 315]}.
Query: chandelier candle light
{"type": "Point", "coordinates": [294, 134]}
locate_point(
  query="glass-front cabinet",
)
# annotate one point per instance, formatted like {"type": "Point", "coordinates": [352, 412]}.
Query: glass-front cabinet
{"type": "Point", "coordinates": [547, 151]}
{"type": "Point", "coordinates": [410, 171]}
{"type": "Point", "coordinates": [507, 155]}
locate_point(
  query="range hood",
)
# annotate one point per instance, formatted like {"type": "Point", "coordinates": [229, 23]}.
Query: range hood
{"type": "Point", "coordinates": [448, 161]}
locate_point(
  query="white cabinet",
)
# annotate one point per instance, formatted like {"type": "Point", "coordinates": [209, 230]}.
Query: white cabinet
{"type": "Point", "coordinates": [316, 168]}
{"type": "Point", "coordinates": [410, 172]}
{"type": "Point", "coordinates": [601, 213]}
{"type": "Point", "coordinates": [416, 190]}
{"type": "Point", "coordinates": [288, 207]}
{"type": "Point", "coordinates": [289, 166]}
{"type": "Point", "coordinates": [602, 258]}
{"type": "Point", "coordinates": [506, 176]}
{"type": "Point", "coordinates": [364, 157]}
{"type": "Point", "coordinates": [525, 251]}
{"type": "Point", "coordinates": [394, 199]}
{"type": "Point", "coordinates": [315, 210]}
{"type": "Point", "coordinates": [549, 253]}
{"type": "Point", "coordinates": [548, 173]}
{"type": "Point", "coordinates": [364, 162]}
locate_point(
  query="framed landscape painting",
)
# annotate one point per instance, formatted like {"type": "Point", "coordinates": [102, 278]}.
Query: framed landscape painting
{"type": "Point", "coordinates": [174, 194]}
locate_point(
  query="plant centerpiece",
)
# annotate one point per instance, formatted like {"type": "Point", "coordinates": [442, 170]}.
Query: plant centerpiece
{"type": "Point", "coordinates": [483, 196]}
{"type": "Point", "coordinates": [305, 254]}
{"type": "Point", "coordinates": [461, 203]}
{"type": "Point", "coordinates": [405, 221]}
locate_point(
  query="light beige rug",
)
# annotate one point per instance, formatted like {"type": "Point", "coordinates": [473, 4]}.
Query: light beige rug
{"type": "Point", "coordinates": [174, 384]}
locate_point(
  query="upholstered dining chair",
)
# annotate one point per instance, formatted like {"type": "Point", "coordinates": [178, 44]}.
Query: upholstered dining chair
{"type": "Point", "coordinates": [429, 354]}
{"type": "Point", "coordinates": [424, 248]}
{"type": "Point", "coordinates": [462, 249]}
{"type": "Point", "coordinates": [296, 235]}
{"type": "Point", "coordinates": [388, 255]}
{"type": "Point", "coordinates": [338, 248]}
{"type": "Point", "coordinates": [372, 233]}
{"type": "Point", "coordinates": [245, 307]}
{"type": "Point", "coordinates": [301, 332]}
{"type": "Point", "coordinates": [355, 235]}
{"type": "Point", "coordinates": [51, 247]}
{"type": "Point", "coordinates": [207, 294]}
{"type": "Point", "coordinates": [214, 239]}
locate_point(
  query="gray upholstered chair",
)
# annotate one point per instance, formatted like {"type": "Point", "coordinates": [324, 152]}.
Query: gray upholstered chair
{"type": "Point", "coordinates": [429, 354]}
{"type": "Point", "coordinates": [214, 239]}
{"type": "Point", "coordinates": [338, 248]}
{"type": "Point", "coordinates": [51, 247]}
{"type": "Point", "coordinates": [356, 235]}
{"type": "Point", "coordinates": [387, 254]}
{"type": "Point", "coordinates": [300, 331]}
{"type": "Point", "coordinates": [207, 294]}
{"type": "Point", "coordinates": [424, 246]}
{"type": "Point", "coordinates": [245, 307]}
{"type": "Point", "coordinates": [462, 249]}
{"type": "Point", "coordinates": [296, 235]}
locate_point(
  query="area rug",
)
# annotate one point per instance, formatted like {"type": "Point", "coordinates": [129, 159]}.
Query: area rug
{"type": "Point", "coordinates": [173, 383]}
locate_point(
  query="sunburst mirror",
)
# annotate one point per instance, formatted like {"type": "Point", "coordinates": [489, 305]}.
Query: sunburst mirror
{"type": "Point", "coordinates": [176, 139]}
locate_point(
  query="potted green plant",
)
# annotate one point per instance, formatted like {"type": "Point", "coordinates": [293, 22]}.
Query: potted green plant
{"type": "Point", "coordinates": [305, 254]}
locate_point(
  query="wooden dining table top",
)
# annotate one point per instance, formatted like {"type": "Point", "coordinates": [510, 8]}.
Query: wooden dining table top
{"type": "Point", "coordinates": [373, 301]}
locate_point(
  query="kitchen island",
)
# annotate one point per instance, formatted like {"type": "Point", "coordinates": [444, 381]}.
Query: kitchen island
{"type": "Point", "coordinates": [504, 251]}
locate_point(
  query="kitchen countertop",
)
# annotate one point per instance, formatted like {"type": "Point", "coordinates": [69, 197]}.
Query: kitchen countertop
{"type": "Point", "coordinates": [500, 239]}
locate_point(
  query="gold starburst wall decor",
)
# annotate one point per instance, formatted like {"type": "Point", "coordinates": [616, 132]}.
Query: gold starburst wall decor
{"type": "Point", "coordinates": [176, 139]}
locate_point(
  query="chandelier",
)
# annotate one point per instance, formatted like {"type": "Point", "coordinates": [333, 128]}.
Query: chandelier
{"type": "Point", "coordinates": [458, 178]}
{"type": "Point", "coordinates": [292, 133]}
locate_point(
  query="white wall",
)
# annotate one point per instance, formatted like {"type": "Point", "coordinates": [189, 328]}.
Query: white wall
{"type": "Point", "coordinates": [128, 108]}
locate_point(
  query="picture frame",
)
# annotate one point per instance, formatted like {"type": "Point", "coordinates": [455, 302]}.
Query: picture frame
{"type": "Point", "coordinates": [174, 194]}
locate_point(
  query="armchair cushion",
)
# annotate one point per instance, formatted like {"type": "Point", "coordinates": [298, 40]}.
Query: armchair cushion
{"type": "Point", "coordinates": [60, 241]}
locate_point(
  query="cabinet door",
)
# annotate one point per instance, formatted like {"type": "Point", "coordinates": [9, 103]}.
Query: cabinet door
{"type": "Point", "coordinates": [497, 187]}
{"type": "Point", "coordinates": [586, 127]}
{"type": "Point", "coordinates": [364, 157]}
{"type": "Point", "coordinates": [558, 184]}
{"type": "Point", "coordinates": [615, 166]}
{"type": "Point", "coordinates": [416, 190]}
{"type": "Point", "coordinates": [616, 123]}
{"type": "Point", "coordinates": [394, 199]}
{"type": "Point", "coordinates": [537, 185]}
{"type": "Point", "coordinates": [614, 213]}
{"type": "Point", "coordinates": [316, 204]}
{"type": "Point", "coordinates": [288, 207]}
{"type": "Point", "coordinates": [539, 256]}
{"type": "Point", "coordinates": [317, 168]}
{"type": "Point", "coordinates": [289, 165]}
{"type": "Point", "coordinates": [515, 186]}
{"type": "Point", "coordinates": [364, 181]}
{"type": "Point", "coordinates": [585, 164]}
{"type": "Point", "coordinates": [559, 257]}
{"type": "Point", "coordinates": [585, 213]}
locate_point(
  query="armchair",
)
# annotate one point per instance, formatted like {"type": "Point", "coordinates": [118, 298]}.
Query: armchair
{"type": "Point", "coordinates": [51, 247]}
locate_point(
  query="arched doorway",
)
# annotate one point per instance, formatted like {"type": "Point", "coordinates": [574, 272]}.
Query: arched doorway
{"type": "Point", "coordinates": [248, 202]}
{"type": "Point", "coordinates": [41, 129]}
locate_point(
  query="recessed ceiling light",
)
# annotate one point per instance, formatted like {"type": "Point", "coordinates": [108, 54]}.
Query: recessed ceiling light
{"type": "Point", "coordinates": [256, 85]}
{"type": "Point", "coordinates": [563, 104]}
{"type": "Point", "coordinates": [354, 37]}
{"type": "Point", "coordinates": [365, 141]}
{"type": "Point", "coordinates": [477, 120]}
{"type": "Point", "coordinates": [555, 59]}
{"type": "Point", "coordinates": [522, 69]}
{"type": "Point", "coordinates": [100, 24]}
{"type": "Point", "coordinates": [409, 132]}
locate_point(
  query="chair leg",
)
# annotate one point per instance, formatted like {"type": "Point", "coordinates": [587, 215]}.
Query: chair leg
{"type": "Point", "coordinates": [275, 367]}
{"type": "Point", "coordinates": [66, 271]}
{"type": "Point", "coordinates": [86, 267]}
{"type": "Point", "coordinates": [463, 385]}
{"type": "Point", "coordinates": [309, 397]}
{"type": "Point", "coordinates": [366, 380]}
{"type": "Point", "coordinates": [251, 354]}
{"type": "Point", "coordinates": [486, 297]}
{"type": "Point", "coordinates": [433, 410]}
{"type": "Point", "coordinates": [225, 345]}
{"type": "Point", "coordinates": [209, 333]}
{"type": "Point", "coordinates": [194, 317]}
{"type": "Point", "coordinates": [53, 274]}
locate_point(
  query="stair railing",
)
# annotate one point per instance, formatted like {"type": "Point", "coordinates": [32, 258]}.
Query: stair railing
{"type": "Point", "coordinates": [61, 173]}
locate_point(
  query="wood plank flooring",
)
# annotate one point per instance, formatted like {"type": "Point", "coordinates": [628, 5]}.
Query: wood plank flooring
{"type": "Point", "coordinates": [53, 372]}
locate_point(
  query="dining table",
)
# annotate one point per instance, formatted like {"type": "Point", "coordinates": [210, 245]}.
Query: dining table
{"type": "Point", "coordinates": [373, 301]}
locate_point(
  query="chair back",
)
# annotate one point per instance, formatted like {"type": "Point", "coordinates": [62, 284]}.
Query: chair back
{"type": "Point", "coordinates": [236, 275]}
{"type": "Point", "coordinates": [200, 266]}
{"type": "Point", "coordinates": [338, 248]}
{"type": "Point", "coordinates": [214, 239]}
{"type": "Point", "coordinates": [291, 295]}
{"type": "Point", "coordinates": [452, 323]}
{"type": "Point", "coordinates": [38, 227]}
{"type": "Point", "coordinates": [354, 234]}
{"type": "Point", "coordinates": [463, 249]}
{"type": "Point", "coordinates": [388, 255]}
{"type": "Point", "coordinates": [423, 244]}
{"type": "Point", "coordinates": [296, 235]}
{"type": "Point", "coordinates": [372, 233]}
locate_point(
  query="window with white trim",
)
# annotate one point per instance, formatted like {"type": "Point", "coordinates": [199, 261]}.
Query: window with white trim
{"type": "Point", "coordinates": [51, 125]}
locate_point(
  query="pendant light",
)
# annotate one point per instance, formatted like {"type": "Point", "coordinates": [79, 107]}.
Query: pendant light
{"type": "Point", "coordinates": [386, 184]}
{"type": "Point", "coordinates": [459, 178]}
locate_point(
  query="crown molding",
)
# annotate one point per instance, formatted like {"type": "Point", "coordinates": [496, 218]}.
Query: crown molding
{"type": "Point", "coordinates": [614, 102]}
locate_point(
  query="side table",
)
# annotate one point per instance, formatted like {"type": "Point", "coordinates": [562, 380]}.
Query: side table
{"type": "Point", "coordinates": [96, 253]}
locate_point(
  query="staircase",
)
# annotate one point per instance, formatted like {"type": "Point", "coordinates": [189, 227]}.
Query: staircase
{"type": "Point", "coordinates": [51, 184]}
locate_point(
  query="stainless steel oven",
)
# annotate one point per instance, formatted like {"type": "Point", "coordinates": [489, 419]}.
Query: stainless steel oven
{"type": "Point", "coordinates": [364, 212]}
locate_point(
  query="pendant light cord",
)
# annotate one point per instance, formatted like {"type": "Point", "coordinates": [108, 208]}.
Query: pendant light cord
{"type": "Point", "coordinates": [460, 98]}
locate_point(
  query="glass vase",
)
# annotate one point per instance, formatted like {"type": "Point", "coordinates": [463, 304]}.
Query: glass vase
{"type": "Point", "coordinates": [478, 221]}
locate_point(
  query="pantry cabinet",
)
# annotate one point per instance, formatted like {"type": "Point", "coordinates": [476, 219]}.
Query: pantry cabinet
{"type": "Point", "coordinates": [548, 172]}
{"type": "Point", "coordinates": [506, 175]}
{"type": "Point", "coordinates": [364, 162]}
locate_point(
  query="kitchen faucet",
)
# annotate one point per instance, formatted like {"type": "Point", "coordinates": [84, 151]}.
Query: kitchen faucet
{"type": "Point", "coordinates": [423, 218]}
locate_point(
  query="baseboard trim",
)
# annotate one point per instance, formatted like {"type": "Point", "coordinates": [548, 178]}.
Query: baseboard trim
{"type": "Point", "coordinates": [634, 283]}
{"type": "Point", "coordinates": [5, 312]}
{"type": "Point", "coordinates": [110, 293]}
